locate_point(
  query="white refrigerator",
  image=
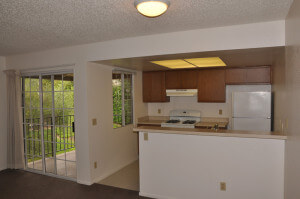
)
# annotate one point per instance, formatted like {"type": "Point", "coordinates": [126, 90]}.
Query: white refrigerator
{"type": "Point", "coordinates": [251, 111]}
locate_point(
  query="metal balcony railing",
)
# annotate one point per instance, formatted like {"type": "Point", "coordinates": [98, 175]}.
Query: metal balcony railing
{"type": "Point", "coordinates": [59, 135]}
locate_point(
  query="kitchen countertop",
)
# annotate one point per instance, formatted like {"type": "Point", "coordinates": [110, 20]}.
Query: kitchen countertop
{"type": "Point", "coordinates": [209, 132]}
{"type": "Point", "coordinates": [211, 124]}
{"type": "Point", "coordinates": [152, 120]}
{"type": "Point", "coordinates": [211, 121]}
{"type": "Point", "coordinates": [207, 122]}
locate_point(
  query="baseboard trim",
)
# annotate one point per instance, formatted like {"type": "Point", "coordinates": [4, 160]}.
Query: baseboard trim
{"type": "Point", "coordinates": [153, 195]}
{"type": "Point", "coordinates": [113, 171]}
{"type": "Point", "coordinates": [84, 182]}
{"type": "Point", "coordinates": [2, 168]}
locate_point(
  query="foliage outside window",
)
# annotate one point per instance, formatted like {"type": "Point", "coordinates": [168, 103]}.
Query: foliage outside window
{"type": "Point", "coordinates": [45, 96]}
{"type": "Point", "coordinates": [122, 99]}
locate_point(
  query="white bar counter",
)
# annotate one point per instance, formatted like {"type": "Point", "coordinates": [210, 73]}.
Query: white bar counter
{"type": "Point", "coordinates": [210, 132]}
{"type": "Point", "coordinates": [191, 163]}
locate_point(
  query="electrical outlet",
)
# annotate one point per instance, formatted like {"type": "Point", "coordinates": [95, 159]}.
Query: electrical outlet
{"type": "Point", "coordinates": [94, 122]}
{"type": "Point", "coordinates": [223, 186]}
{"type": "Point", "coordinates": [146, 136]}
{"type": "Point", "coordinates": [95, 164]}
{"type": "Point", "coordinates": [159, 111]}
{"type": "Point", "coordinates": [220, 111]}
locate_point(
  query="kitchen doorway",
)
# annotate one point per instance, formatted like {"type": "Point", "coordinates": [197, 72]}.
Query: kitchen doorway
{"type": "Point", "coordinates": [48, 124]}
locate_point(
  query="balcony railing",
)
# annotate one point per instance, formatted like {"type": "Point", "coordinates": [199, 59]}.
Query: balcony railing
{"type": "Point", "coordinates": [61, 133]}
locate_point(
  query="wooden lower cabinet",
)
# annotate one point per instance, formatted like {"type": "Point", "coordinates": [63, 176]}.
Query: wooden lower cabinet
{"type": "Point", "coordinates": [211, 85]}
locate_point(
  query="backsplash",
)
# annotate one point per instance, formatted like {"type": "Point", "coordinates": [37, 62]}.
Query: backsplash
{"type": "Point", "coordinates": [188, 103]}
{"type": "Point", "coordinates": [207, 109]}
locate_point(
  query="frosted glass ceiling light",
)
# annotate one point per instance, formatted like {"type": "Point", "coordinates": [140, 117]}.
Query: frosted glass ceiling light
{"type": "Point", "coordinates": [152, 8]}
{"type": "Point", "coordinates": [174, 64]}
{"type": "Point", "coordinates": [191, 63]}
{"type": "Point", "coordinates": [206, 62]}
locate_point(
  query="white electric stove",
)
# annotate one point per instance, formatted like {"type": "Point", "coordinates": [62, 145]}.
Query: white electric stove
{"type": "Point", "coordinates": [183, 119]}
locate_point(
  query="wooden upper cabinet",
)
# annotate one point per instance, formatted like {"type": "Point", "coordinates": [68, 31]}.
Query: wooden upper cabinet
{"type": "Point", "coordinates": [211, 85]}
{"type": "Point", "coordinates": [173, 80]}
{"type": "Point", "coordinates": [236, 76]}
{"type": "Point", "coordinates": [154, 89]}
{"type": "Point", "coordinates": [209, 82]}
{"type": "Point", "coordinates": [189, 79]}
{"type": "Point", "coordinates": [181, 79]}
{"type": "Point", "coordinates": [249, 75]}
{"type": "Point", "coordinates": [259, 75]}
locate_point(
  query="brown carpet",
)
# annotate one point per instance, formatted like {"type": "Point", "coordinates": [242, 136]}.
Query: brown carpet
{"type": "Point", "coordinates": [20, 184]}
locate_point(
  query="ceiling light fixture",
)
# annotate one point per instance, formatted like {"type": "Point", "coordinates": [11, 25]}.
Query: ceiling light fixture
{"type": "Point", "coordinates": [174, 64]}
{"type": "Point", "coordinates": [191, 63]}
{"type": "Point", "coordinates": [152, 8]}
{"type": "Point", "coordinates": [206, 62]}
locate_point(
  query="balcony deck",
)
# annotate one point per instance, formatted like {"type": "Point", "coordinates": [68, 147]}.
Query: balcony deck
{"type": "Point", "coordinates": [64, 168]}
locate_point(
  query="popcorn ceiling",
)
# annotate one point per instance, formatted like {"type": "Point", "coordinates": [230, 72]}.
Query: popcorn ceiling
{"type": "Point", "coordinates": [33, 25]}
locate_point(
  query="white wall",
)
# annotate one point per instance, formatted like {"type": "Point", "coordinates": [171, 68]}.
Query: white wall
{"type": "Point", "coordinates": [3, 135]}
{"type": "Point", "coordinates": [81, 121]}
{"type": "Point", "coordinates": [113, 149]}
{"type": "Point", "coordinates": [188, 103]}
{"type": "Point", "coordinates": [191, 166]}
{"type": "Point", "coordinates": [279, 90]}
{"type": "Point", "coordinates": [140, 108]}
{"type": "Point", "coordinates": [293, 101]}
{"type": "Point", "coordinates": [266, 34]}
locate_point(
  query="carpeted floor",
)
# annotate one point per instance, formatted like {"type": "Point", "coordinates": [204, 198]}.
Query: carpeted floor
{"type": "Point", "coordinates": [20, 184]}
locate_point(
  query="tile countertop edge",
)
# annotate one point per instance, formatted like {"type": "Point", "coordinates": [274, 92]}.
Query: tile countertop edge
{"type": "Point", "coordinates": [220, 133]}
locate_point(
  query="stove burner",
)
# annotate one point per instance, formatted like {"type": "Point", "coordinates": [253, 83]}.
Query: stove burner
{"type": "Point", "coordinates": [189, 122]}
{"type": "Point", "coordinates": [173, 121]}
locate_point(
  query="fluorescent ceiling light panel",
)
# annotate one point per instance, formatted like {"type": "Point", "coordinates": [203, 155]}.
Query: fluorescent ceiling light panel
{"type": "Point", "coordinates": [206, 62]}
{"type": "Point", "coordinates": [174, 64]}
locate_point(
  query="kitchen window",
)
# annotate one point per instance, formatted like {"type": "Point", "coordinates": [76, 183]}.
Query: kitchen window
{"type": "Point", "coordinates": [122, 99]}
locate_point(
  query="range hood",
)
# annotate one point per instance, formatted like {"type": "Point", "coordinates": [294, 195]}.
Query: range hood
{"type": "Point", "coordinates": [182, 92]}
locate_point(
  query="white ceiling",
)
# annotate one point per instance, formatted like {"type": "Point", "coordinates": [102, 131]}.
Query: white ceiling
{"type": "Point", "coordinates": [32, 25]}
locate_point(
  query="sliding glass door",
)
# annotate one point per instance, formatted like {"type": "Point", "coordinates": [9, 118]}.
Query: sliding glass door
{"type": "Point", "coordinates": [48, 123]}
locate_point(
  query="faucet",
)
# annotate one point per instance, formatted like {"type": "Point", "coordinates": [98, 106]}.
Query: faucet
{"type": "Point", "coordinates": [215, 127]}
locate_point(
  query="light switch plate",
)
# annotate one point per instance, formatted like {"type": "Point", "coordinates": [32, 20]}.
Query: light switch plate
{"type": "Point", "coordinates": [94, 122]}
{"type": "Point", "coordinates": [220, 111]}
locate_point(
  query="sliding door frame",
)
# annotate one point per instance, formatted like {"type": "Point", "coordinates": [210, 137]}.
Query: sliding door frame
{"type": "Point", "coordinates": [40, 74]}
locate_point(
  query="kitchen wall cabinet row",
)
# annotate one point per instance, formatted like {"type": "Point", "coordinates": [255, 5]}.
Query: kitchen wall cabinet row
{"type": "Point", "coordinates": [211, 83]}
